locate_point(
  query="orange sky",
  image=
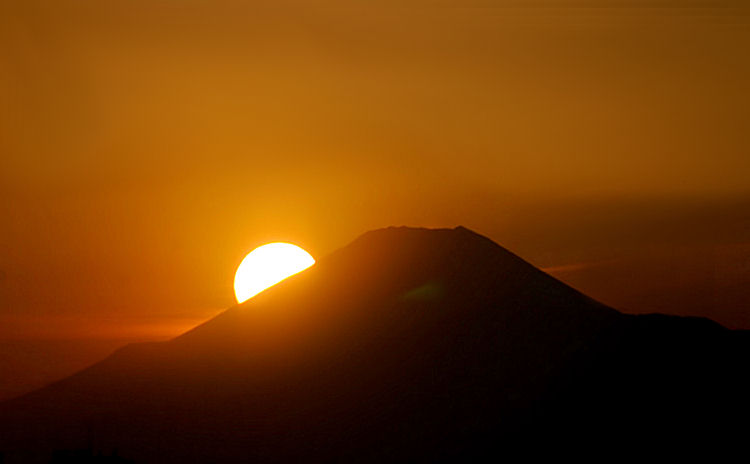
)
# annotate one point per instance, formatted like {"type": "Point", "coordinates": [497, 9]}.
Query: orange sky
{"type": "Point", "coordinates": [146, 146]}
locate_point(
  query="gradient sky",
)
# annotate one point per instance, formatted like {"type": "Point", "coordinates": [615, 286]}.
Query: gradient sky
{"type": "Point", "coordinates": [146, 146]}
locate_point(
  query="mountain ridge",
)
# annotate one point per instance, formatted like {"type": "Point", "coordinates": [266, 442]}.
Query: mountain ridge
{"type": "Point", "coordinates": [408, 344]}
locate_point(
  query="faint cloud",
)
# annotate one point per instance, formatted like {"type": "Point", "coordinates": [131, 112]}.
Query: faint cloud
{"type": "Point", "coordinates": [573, 267]}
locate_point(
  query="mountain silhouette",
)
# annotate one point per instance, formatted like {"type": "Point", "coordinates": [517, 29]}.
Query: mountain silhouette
{"type": "Point", "coordinates": [409, 345]}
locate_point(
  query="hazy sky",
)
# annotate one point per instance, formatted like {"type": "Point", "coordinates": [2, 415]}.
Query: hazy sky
{"type": "Point", "coordinates": [146, 146]}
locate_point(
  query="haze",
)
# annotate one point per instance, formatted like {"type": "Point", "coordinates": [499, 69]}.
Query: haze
{"type": "Point", "coordinates": [148, 146]}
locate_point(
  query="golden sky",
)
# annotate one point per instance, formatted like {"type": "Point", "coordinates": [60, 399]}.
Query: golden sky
{"type": "Point", "coordinates": [146, 146]}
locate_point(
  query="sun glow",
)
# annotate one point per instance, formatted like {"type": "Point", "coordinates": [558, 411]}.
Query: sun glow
{"type": "Point", "coordinates": [268, 265]}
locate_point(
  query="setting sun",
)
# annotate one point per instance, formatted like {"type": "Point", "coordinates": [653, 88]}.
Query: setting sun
{"type": "Point", "coordinates": [268, 265]}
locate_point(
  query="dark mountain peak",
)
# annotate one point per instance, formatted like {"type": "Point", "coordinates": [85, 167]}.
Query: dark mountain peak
{"type": "Point", "coordinates": [397, 280]}
{"type": "Point", "coordinates": [461, 259]}
{"type": "Point", "coordinates": [400, 237]}
{"type": "Point", "coordinates": [395, 231]}
{"type": "Point", "coordinates": [418, 253]}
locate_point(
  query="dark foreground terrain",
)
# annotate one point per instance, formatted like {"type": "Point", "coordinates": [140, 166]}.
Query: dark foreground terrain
{"type": "Point", "coordinates": [407, 345]}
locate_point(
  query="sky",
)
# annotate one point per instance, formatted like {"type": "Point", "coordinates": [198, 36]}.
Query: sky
{"type": "Point", "coordinates": [147, 146]}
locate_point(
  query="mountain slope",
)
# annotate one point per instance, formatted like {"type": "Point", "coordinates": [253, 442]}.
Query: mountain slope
{"type": "Point", "coordinates": [406, 344]}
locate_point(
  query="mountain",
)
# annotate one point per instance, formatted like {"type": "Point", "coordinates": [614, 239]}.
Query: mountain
{"type": "Point", "coordinates": [409, 345]}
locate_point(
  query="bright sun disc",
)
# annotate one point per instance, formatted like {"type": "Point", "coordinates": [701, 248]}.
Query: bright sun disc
{"type": "Point", "coordinates": [268, 265]}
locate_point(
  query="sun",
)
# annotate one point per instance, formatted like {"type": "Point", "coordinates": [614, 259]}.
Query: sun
{"type": "Point", "coordinates": [268, 265]}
